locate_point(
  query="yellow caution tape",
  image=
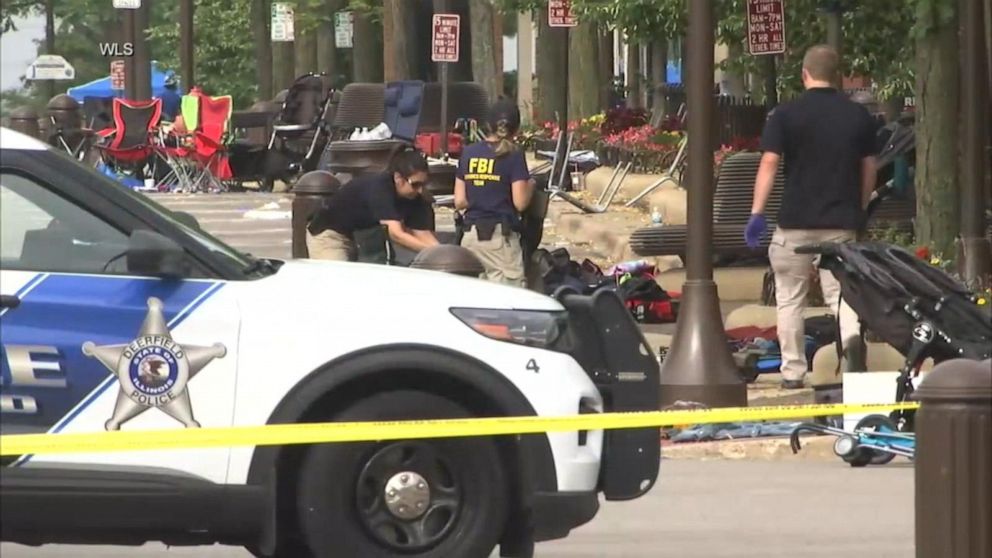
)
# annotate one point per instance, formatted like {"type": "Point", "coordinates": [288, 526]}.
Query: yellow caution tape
{"type": "Point", "coordinates": [313, 433]}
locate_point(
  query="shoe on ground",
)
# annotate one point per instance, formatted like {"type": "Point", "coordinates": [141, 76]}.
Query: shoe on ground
{"type": "Point", "coordinates": [792, 384]}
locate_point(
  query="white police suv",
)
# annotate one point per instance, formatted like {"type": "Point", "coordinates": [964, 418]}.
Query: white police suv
{"type": "Point", "coordinates": [120, 314]}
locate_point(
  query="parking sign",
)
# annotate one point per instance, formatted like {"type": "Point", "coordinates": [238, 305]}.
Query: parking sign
{"type": "Point", "coordinates": [444, 39]}
{"type": "Point", "coordinates": [766, 26]}
{"type": "Point", "coordinates": [560, 14]}
{"type": "Point", "coordinates": [282, 22]}
{"type": "Point", "coordinates": [117, 73]}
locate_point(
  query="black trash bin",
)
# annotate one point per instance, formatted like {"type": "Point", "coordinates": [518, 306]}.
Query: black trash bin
{"type": "Point", "coordinates": [310, 193]}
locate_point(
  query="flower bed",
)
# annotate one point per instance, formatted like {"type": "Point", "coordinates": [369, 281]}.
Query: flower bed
{"type": "Point", "coordinates": [620, 135]}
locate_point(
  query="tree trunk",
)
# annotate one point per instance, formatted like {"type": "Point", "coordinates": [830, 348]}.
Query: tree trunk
{"type": "Point", "coordinates": [604, 53]}
{"type": "Point", "coordinates": [484, 57]}
{"type": "Point", "coordinates": [659, 76]}
{"type": "Point", "coordinates": [283, 65]}
{"type": "Point", "coordinates": [937, 103]}
{"type": "Point", "coordinates": [260, 14]}
{"type": "Point", "coordinates": [367, 51]}
{"type": "Point", "coordinates": [583, 72]}
{"type": "Point", "coordinates": [498, 50]}
{"type": "Point", "coordinates": [551, 51]}
{"type": "Point", "coordinates": [326, 48]}
{"type": "Point", "coordinates": [305, 47]}
{"type": "Point", "coordinates": [525, 67]}
{"type": "Point", "coordinates": [398, 55]}
{"type": "Point", "coordinates": [634, 75]}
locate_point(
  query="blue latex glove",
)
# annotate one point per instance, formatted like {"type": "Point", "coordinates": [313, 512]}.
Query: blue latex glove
{"type": "Point", "coordinates": [756, 228]}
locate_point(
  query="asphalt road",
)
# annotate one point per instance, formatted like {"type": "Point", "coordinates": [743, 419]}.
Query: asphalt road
{"type": "Point", "coordinates": [702, 509]}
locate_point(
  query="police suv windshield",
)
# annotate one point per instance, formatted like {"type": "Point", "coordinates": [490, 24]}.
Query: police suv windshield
{"type": "Point", "coordinates": [246, 263]}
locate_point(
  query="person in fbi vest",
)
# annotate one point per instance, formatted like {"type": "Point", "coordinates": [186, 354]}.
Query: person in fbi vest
{"type": "Point", "coordinates": [492, 189]}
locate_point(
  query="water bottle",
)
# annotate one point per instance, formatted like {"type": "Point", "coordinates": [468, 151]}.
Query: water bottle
{"type": "Point", "coordinates": [655, 216]}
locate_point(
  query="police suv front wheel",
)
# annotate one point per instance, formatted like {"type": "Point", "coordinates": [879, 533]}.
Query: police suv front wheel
{"type": "Point", "coordinates": [411, 498]}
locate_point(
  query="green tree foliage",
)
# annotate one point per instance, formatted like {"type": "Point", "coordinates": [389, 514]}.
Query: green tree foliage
{"type": "Point", "coordinates": [81, 25]}
{"type": "Point", "coordinates": [642, 20]}
{"type": "Point", "coordinates": [875, 41]}
{"type": "Point", "coordinates": [224, 52]}
{"type": "Point", "coordinates": [877, 34]}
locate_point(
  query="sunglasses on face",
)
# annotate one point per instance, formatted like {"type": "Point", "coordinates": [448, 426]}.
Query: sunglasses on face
{"type": "Point", "coordinates": [417, 184]}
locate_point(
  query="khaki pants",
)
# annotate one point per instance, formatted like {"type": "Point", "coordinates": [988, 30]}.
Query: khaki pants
{"type": "Point", "coordinates": [501, 255]}
{"type": "Point", "coordinates": [330, 245]}
{"type": "Point", "coordinates": [793, 273]}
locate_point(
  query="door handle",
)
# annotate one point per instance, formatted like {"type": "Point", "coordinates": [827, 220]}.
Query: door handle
{"type": "Point", "coordinates": [9, 301]}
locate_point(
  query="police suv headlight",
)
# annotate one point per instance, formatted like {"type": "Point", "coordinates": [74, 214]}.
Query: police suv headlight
{"type": "Point", "coordinates": [533, 328]}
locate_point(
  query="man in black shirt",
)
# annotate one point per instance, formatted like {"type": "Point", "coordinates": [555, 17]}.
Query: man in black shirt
{"type": "Point", "coordinates": [827, 142]}
{"type": "Point", "coordinates": [394, 199]}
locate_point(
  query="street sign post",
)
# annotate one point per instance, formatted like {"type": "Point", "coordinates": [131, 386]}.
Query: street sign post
{"type": "Point", "coordinates": [117, 75]}
{"type": "Point", "coordinates": [282, 22]}
{"type": "Point", "coordinates": [446, 32]}
{"type": "Point", "coordinates": [50, 66]}
{"type": "Point", "coordinates": [344, 29]}
{"type": "Point", "coordinates": [444, 39]}
{"type": "Point", "coordinates": [766, 26]}
{"type": "Point", "coordinates": [560, 14]}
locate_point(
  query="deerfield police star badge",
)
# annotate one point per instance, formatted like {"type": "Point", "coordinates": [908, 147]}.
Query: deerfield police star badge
{"type": "Point", "coordinates": [153, 370]}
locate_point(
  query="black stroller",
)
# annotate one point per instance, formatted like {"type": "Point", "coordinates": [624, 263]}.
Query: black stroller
{"type": "Point", "coordinates": [896, 140]}
{"type": "Point", "coordinates": [914, 307]}
{"type": "Point", "coordinates": [301, 129]}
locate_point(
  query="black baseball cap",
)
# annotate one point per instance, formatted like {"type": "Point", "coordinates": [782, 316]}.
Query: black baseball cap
{"type": "Point", "coordinates": [504, 109]}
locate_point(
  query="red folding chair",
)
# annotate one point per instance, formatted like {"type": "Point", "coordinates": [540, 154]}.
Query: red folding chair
{"type": "Point", "coordinates": [210, 140]}
{"type": "Point", "coordinates": [129, 144]}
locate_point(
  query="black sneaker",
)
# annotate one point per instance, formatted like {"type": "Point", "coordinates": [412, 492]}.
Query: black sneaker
{"type": "Point", "coordinates": [792, 384]}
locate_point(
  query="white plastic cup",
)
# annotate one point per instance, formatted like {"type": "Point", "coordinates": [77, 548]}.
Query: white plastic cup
{"type": "Point", "coordinates": [578, 181]}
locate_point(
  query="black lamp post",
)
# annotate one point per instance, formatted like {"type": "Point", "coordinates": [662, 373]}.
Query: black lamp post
{"type": "Point", "coordinates": [699, 367]}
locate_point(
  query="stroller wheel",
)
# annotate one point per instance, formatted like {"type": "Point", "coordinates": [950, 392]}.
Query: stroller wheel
{"type": "Point", "coordinates": [876, 423]}
{"type": "Point", "coordinates": [847, 448]}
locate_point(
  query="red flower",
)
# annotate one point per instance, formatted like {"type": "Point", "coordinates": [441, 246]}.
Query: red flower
{"type": "Point", "coordinates": [923, 253]}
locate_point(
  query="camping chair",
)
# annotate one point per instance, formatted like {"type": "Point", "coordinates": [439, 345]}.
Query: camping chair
{"type": "Point", "coordinates": [98, 112]}
{"type": "Point", "coordinates": [129, 144]}
{"type": "Point", "coordinates": [71, 138]}
{"type": "Point", "coordinates": [211, 137]}
{"type": "Point", "coordinates": [176, 149]}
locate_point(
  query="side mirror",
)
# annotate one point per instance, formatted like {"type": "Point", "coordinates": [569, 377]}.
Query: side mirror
{"type": "Point", "coordinates": [187, 219]}
{"type": "Point", "coordinates": [150, 253]}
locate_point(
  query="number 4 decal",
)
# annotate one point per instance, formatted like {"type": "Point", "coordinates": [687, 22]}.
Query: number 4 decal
{"type": "Point", "coordinates": [533, 367]}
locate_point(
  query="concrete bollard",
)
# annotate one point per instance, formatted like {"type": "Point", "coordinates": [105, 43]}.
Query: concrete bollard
{"type": "Point", "coordinates": [310, 192]}
{"type": "Point", "coordinates": [954, 461]}
{"type": "Point", "coordinates": [25, 121]}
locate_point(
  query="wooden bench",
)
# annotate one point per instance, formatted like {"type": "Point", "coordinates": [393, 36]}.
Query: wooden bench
{"type": "Point", "coordinates": [731, 209]}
